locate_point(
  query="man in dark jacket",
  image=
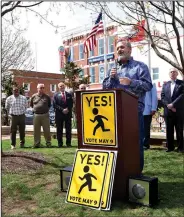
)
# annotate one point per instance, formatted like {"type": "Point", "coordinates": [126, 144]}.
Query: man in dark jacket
{"type": "Point", "coordinates": [172, 97]}
{"type": "Point", "coordinates": [63, 104]}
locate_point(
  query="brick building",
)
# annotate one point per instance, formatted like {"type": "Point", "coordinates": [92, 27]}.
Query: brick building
{"type": "Point", "coordinates": [30, 79]}
{"type": "Point", "coordinates": [92, 63]}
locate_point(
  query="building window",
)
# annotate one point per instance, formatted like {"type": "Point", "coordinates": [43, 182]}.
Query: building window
{"type": "Point", "coordinates": [155, 73]}
{"type": "Point", "coordinates": [91, 53]}
{"type": "Point", "coordinates": [81, 51]}
{"type": "Point", "coordinates": [111, 65]}
{"type": "Point", "coordinates": [81, 73]}
{"type": "Point", "coordinates": [71, 54]}
{"type": "Point", "coordinates": [26, 86]}
{"type": "Point", "coordinates": [101, 73]}
{"type": "Point", "coordinates": [92, 74]}
{"type": "Point", "coordinates": [53, 87]}
{"type": "Point", "coordinates": [101, 46]}
{"type": "Point", "coordinates": [111, 44]}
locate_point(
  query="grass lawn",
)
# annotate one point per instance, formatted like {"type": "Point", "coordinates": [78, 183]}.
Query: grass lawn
{"type": "Point", "coordinates": [38, 193]}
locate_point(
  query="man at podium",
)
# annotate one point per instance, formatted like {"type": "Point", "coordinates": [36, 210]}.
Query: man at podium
{"type": "Point", "coordinates": [131, 75]}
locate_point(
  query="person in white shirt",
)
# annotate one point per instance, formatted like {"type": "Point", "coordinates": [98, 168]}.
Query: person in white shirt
{"type": "Point", "coordinates": [16, 106]}
{"type": "Point", "coordinates": [172, 97]}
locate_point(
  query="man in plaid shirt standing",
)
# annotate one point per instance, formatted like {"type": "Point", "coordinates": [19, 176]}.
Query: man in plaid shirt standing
{"type": "Point", "coordinates": [16, 106]}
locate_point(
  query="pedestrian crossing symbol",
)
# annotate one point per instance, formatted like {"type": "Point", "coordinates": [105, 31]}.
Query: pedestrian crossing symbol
{"type": "Point", "coordinates": [99, 118]}
{"type": "Point", "coordinates": [89, 178]}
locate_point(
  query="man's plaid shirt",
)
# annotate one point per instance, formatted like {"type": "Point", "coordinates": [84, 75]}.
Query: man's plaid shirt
{"type": "Point", "coordinates": [16, 105]}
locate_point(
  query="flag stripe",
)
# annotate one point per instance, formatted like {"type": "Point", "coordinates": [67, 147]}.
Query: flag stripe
{"type": "Point", "coordinates": [90, 41]}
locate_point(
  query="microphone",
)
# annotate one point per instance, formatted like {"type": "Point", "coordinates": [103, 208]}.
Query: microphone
{"type": "Point", "coordinates": [118, 62]}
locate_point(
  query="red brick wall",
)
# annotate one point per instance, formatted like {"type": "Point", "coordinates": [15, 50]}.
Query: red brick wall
{"type": "Point", "coordinates": [34, 78]}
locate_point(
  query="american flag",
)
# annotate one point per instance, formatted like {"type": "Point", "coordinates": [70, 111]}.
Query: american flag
{"type": "Point", "coordinates": [90, 42]}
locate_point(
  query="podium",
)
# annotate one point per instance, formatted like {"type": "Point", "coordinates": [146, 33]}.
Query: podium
{"type": "Point", "coordinates": [126, 127]}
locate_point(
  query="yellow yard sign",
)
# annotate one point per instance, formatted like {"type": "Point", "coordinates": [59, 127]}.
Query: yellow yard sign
{"type": "Point", "coordinates": [99, 118]}
{"type": "Point", "coordinates": [88, 176]}
{"type": "Point", "coordinates": [109, 180]}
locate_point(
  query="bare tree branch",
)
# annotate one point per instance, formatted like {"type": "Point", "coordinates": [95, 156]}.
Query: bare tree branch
{"type": "Point", "coordinates": [177, 36]}
{"type": "Point", "coordinates": [28, 6]}
{"type": "Point", "coordinates": [10, 9]}
{"type": "Point", "coordinates": [16, 52]}
{"type": "Point", "coordinates": [6, 4]}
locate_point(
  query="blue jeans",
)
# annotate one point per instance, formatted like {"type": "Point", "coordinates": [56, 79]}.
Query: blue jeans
{"type": "Point", "coordinates": [141, 139]}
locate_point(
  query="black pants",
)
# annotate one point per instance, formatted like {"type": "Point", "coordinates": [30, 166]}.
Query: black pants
{"type": "Point", "coordinates": [147, 127]}
{"type": "Point", "coordinates": [174, 121]}
{"type": "Point", "coordinates": [68, 126]}
{"type": "Point", "coordinates": [17, 121]}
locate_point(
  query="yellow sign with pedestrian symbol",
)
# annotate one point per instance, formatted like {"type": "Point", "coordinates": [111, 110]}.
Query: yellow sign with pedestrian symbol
{"type": "Point", "coordinates": [88, 178]}
{"type": "Point", "coordinates": [99, 118]}
{"type": "Point", "coordinates": [109, 180]}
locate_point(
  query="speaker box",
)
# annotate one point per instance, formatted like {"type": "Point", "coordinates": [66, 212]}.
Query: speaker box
{"type": "Point", "coordinates": [143, 190]}
{"type": "Point", "coordinates": [65, 175]}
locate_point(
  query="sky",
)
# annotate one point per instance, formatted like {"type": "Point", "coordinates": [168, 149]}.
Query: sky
{"type": "Point", "coordinates": [44, 41]}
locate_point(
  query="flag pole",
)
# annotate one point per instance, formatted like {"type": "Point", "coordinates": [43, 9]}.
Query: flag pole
{"type": "Point", "coordinates": [105, 50]}
{"type": "Point", "coordinates": [71, 48]}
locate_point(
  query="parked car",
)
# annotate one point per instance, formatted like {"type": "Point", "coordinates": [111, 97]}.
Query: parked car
{"type": "Point", "coordinates": [52, 116]}
{"type": "Point", "coordinates": [29, 116]}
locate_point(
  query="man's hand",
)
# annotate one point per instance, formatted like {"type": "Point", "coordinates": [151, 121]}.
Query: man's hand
{"type": "Point", "coordinates": [153, 113]}
{"type": "Point", "coordinates": [65, 111]}
{"type": "Point", "coordinates": [173, 109]}
{"type": "Point", "coordinates": [170, 106]}
{"type": "Point", "coordinates": [113, 72]}
{"type": "Point", "coordinates": [125, 81]}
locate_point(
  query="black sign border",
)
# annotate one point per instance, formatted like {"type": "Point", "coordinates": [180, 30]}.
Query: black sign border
{"type": "Point", "coordinates": [115, 121]}
{"type": "Point", "coordinates": [84, 150]}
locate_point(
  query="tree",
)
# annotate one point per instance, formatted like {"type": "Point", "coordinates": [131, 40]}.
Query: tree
{"type": "Point", "coordinates": [15, 53]}
{"type": "Point", "coordinates": [72, 76]}
{"type": "Point", "coordinates": [10, 6]}
{"type": "Point", "coordinates": [11, 9]}
{"type": "Point", "coordinates": [168, 15]}
{"type": "Point", "coordinates": [8, 90]}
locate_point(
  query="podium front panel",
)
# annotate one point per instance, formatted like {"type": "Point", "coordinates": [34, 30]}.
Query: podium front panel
{"type": "Point", "coordinates": [99, 118]}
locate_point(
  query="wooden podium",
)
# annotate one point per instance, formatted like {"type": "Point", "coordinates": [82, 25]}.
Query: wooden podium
{"type": "Point", "coordinates": [128, 158]}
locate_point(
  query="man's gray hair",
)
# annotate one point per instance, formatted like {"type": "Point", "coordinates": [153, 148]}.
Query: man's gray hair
{"type": "Point", "coordinates": [173, 69]}
{"type": "Point", "coordinates": [40, 85]}
{"type": "Point", "coordinates": [125, 40]}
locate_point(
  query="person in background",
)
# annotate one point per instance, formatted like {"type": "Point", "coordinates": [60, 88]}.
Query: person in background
{"type": "Point", "coordinates": [134, 76]}
{"type": "Point", "coordinates": [151, 103]}
{"type": "Point", "coordinates": [63, 103]}
{"type": "Point", "coordinates": [16, 106]}
{"type": "Point", "coordinates": [82, 87]}
{"type": "Point", "coordinates": [41, 103]}
{"type": "Point", "coordinates": [172, 97]}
